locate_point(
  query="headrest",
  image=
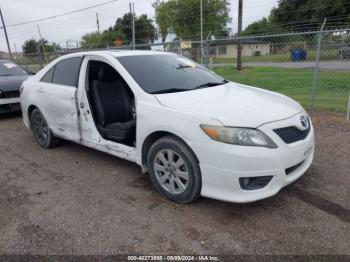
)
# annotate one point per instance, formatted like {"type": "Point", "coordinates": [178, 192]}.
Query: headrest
{"type": "Point", "coordinates": [106, 74]}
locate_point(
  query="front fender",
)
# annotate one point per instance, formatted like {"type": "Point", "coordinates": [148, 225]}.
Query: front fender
{"type": "Point", "coordinates": [153, 117]}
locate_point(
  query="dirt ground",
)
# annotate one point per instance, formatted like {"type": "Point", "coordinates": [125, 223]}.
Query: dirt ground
{"type": "Point", "coordinates": [75, 200]}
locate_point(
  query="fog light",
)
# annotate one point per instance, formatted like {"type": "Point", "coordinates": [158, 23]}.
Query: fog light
{"type": "Point", "coordinates": [245, 181]}
{"type": "Point", "coordinates": [254, 183]}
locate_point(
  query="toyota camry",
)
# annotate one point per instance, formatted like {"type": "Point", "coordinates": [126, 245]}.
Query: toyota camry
{"type": "Point", "coordinates": [11, 78]}
{"type": "Point", "coordinates": [193, 132]}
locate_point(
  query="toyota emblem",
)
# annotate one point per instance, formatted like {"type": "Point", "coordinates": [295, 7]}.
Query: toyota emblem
{"type": "Point", "coordinates": [304, 122]}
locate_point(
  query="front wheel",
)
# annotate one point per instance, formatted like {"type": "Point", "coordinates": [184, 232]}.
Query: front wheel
{"type": "Point", "coordinates": [174, 170]}
{"type": "Point", "coordinates": [41, 130]}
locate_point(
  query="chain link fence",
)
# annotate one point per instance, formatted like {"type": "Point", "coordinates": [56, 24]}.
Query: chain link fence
{"type": "Point", "coordinates": [311, 67]}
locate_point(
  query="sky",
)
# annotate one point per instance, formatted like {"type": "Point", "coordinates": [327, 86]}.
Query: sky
{"type": "Point", "coordinates": [72, 27]}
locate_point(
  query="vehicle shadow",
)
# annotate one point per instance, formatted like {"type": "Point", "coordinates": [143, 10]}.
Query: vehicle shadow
{"type": "Point", "coordinates": [10, 115]}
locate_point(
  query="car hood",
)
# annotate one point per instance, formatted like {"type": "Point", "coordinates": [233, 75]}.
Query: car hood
{"type": "Point", "coordinates": [11, 83]}
{"type": "Point", "coordinates": [234, 104]}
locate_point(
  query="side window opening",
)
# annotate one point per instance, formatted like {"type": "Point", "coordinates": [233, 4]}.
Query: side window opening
{"type": "Point", "coordinates": [66, 72]}
{"type": "Point", "coordinates": [48, 76]}
{"type": "Point", "coordinates": [112, 103]}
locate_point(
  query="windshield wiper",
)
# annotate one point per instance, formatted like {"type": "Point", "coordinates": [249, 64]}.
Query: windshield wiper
{"type": "Point", "coordinates": [183, 66]}
{"type": "Point", "coordinates": [189, 66]}
{"type": "Point", "coordinates": [170, 90]}
{"type": "Point", "coordinates": [174, 90]}
{"type": "Point", "coordinates": [211, 84]}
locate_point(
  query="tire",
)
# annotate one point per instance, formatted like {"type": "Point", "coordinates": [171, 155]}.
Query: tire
{"type": "Point", "coordinates": [174, 170]}
{"type": "Point", "coordinates": [41, 130]}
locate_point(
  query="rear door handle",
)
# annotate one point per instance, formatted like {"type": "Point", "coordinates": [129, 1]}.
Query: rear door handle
{"type": "Point", "coordinates": [41, 90]}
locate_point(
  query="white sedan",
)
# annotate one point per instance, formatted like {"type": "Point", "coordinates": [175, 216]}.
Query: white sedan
{"type": "Point", "coordinates": [195, 133]}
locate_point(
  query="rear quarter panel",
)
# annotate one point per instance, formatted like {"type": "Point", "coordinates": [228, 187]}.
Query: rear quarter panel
{"type": "Point", "coordinates": [28, 98]}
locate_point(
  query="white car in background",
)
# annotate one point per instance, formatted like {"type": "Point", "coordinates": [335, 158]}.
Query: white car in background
{"type": "Point", "coordinates": [195, 133]}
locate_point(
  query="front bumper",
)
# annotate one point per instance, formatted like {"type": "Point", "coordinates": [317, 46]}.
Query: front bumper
{"type": "Point", "coordinates": [8, 105]}
{"type": "Point", "coordinates": [222, 165]}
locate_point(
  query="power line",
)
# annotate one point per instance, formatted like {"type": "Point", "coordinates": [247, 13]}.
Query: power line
{"type": "Point", "coordinates": [239, 46]}
{"type": "Point", "coordinates": [98, 23]}
{"type": "Point", "coordinates": [62, 14]}
{"type": "Point", "coordinates": [90, 7]}
{"type": "Point", "coordinates": [294, 25]}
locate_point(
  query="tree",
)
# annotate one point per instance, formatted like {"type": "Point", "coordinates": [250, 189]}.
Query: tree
{"type": "Point", "coordinates": [259, 26]}
{"type": "Point", "coordinates": [96, 40]}
{"type": "Point", "coordinates": [32, 46]}
{"type": "Point", "coordinates": [302, 15]}
{"type": "Point", "coordinates": [124, 24]}
{"type": "Point", "coordinates": [182, 17]}
{"type": "Point", "coordinates": [145, 31]}
{"type": "Point", "coordinates": [91, 40]}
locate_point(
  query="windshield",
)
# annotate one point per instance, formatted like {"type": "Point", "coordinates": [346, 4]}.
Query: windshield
{"type": "Point", "coordinates": [11, 69]}
{"type": "Point", "coordinates": [158, 74]}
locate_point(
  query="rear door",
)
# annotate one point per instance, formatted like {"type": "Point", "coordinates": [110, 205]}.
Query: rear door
{"type": "Point", "coordinates": [57, 92]}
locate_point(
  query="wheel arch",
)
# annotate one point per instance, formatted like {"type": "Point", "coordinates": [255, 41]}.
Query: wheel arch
{"type": "Point", "coordinates": [30, 110]}
{"type": "Point", "coordinates": [151, 139]}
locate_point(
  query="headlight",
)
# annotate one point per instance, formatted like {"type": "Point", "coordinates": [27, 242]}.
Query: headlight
{"type": "Point", "coordinates": [238, 136]}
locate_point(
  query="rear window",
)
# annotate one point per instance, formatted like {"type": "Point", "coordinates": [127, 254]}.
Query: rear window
{"type": "Point", "coordinates": [11, 69]}
{"type": "Point", "coordinates": [67, 72]}
{"type": "Point", "coordinates": [48, 76]}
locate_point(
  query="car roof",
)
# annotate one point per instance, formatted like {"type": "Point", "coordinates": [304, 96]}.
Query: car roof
{"type": "Point", "coordinates": [120, 53]}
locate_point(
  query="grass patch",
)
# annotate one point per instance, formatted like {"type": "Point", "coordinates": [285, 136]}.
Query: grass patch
{"type": "Point", "coordinates": [245, 59]}
{"type": "Point", "coordinates": [332, 90]}
{"type": "Point", "coordinates": [327, 54]}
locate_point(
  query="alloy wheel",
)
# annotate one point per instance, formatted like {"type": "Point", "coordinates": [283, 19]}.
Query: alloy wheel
{"type": "Point", "coordinates": [40, 128]}
{"type": "Point", "coordinates": [171, 171]}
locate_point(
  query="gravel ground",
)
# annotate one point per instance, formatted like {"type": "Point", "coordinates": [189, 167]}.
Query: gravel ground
{"type": "Point", "coordinates": [75, 200]}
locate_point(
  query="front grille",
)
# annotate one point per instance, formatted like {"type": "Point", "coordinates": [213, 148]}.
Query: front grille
{"type": "Point", "coordinates": [292, 134]}
{"type": "Point", "coordinates": [9, 94]}
{"type": "Point", "coordinates": [293, 168]}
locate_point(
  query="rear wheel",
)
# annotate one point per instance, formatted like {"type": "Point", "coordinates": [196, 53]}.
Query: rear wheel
{"type": "Point", "coordinates": [174, 170]}
{"type": "Point", "coordinates": [41, 130]}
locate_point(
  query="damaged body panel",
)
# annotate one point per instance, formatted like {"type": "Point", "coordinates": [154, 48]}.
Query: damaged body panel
{"type": "Point", "coordinates": [195, 133]}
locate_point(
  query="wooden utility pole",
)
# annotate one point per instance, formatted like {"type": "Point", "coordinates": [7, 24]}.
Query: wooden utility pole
{"type": "Point", "coordinates": [201, 11]}
{"type": "Point", "coordinates": [133, 24]}
{"type": "Point", "coordinates": [98, 23]}
{"type": "Point", "coordinates": [42, 44]}
{"type": "Point", "coordinates": [239, 42]}
{"type": "Point", "coordinates": [132, 12]}
{"type": "Point", "coordinates": [5, 31]}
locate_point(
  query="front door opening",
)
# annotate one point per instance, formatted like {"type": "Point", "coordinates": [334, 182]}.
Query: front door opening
{"type": "Point", "coordinates": [112, 103]}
